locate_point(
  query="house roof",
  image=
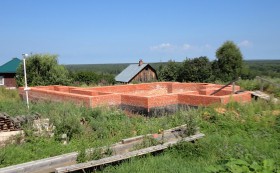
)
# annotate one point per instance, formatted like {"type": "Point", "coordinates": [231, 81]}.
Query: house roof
{"type": "Point", "coordinates": [127, 74]}
{"type": "Point", "coordinates": [10, 66]}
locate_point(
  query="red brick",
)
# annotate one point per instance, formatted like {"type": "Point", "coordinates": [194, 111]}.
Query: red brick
{"type": "Point", "coordinates": [147, 95]}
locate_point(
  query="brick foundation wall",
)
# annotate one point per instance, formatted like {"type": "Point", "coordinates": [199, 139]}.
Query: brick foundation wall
{"type": "Point", "coordinates": [149, 97]}
{"type": "Point", "coordinates": [197, 100]}
{"type": "Point", "coordinates": [241, 97]}
{"type": "Point", "coordinates": [36, 94]}
{"type": "Point", "coordinates": [162, 100]}
{"type": "Point", "coordinates": [134, 101]}
{"type": "Point", "coordinates": [106, 100]}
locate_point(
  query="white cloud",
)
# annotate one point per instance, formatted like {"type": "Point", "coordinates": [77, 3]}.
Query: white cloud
{"type": "Point", "coordinates": [245, 43]}
{"type": "Point", "coordinates": [171, 48]}
{"type": "Point", "coordinates": [207, 46]}
{"type": "Point", "coordinates": [162, 46]}
{"type": "Point", "coordinates": [186, 47]}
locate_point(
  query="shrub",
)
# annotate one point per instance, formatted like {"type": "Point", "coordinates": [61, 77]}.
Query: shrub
{"type": "Point", "coordinates": [238, 165]}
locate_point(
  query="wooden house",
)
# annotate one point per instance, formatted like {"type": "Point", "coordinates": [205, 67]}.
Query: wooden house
{"type": "Point", "coordinates": [137, 73]}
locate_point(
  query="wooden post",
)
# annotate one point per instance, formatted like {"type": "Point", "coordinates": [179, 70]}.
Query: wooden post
{"type": "Point", "coordinates": [261, 85]}
{"type": "Point", "coordinates": [233, 87]}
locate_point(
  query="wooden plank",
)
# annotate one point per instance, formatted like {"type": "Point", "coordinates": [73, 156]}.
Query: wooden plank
{"type": "Point", "coordinates": [42, 165]}
{"type": "Point", "coordinates": [128, 155]}
{"type": "Point", "coordinates": [49, 164]}
{"type": "Point", "coordinates": [218, 90]}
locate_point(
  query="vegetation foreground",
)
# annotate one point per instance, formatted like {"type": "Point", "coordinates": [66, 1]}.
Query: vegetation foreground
{"type": "Point", "coordinates": [239, 137]}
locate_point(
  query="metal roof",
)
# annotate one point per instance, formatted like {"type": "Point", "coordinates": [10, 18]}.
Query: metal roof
{"type": "Point", "coordinates": [127, 74]}
{"type": "Point", "coordinates": [10, 66]}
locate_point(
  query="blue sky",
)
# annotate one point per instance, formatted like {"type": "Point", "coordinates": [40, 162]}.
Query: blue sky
{"type": "Point", "coordinates": [103, 31]}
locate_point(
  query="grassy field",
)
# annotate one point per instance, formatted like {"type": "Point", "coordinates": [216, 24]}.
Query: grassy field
{"type": "Point", "coordinates": [239, 137]}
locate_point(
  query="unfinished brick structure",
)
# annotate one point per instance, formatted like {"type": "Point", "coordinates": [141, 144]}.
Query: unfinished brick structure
{"type": "Point", "coordinates": [147, 98]}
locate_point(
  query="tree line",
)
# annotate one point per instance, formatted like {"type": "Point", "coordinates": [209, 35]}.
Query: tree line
{"type": "Point", "coordinates": [43, 69]}
{"type": "Point", "coordinates": [227, 66]}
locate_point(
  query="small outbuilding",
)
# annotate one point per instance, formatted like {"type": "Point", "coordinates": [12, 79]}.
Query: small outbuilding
{"type": "Point", "coordinates": [8, 73]}
{"type": "Point", "coordinates": [137, 73]}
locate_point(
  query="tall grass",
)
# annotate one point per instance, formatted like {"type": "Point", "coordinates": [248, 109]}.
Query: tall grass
{"type": "Point", "coordinates": [102, 126]}
{"type": "Point", "coordinates": [256, 85]}
{"type": "Point", "coordinates": [248, 132]}
{"type": "Point", "coordinates": [10, 94]}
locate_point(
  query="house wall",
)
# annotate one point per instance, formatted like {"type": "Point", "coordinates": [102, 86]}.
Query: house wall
{"type": "Point", "coordinates": [9, 79]}
{"type": "Point", "coordinates": [146, 75]}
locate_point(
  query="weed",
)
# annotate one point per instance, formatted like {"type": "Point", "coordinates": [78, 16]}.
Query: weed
{"type": "Point", "coordinates": [11, 94]}
{"type": "Point", "coordinates": [86, 155]}
{"type": "Point", "coordinates": [237, 165]}
{"type": "Point", "coordinates": [2, 156]}
{"type": "Point", "coordinates": [190, 119]}
{"type": "Point", "coordinates": [148, 141]}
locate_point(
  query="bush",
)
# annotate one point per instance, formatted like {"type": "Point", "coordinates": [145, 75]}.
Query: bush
{"type": "Point", "coordinates": [92, 78]}
{"type": "Point", "coordinates": [67, 124]}
{"type": "Point", "coordinates": [238, 165]}
{"type": "Point", "coordinates": [195, 70]}
{"type": "Point", "coordinates": [250, 85]}
{"type": "Point", "coordinates": [255, 84]}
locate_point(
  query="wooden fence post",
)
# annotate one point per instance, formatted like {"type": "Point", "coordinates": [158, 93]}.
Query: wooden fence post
{"type": "Point", "coordinates": [262, 82]}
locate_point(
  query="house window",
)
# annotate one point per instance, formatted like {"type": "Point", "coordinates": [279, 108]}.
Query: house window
{"type": "Point", "coordinates": [1, 80]}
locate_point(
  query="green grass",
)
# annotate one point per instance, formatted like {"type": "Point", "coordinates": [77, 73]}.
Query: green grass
{"type": "Point", "coordinates": [11, 95]}
{"type": "Point", "coordinates": [248, 132]}
{"type": "Point", "coordinates": [255, 84]}
{"type": "Point", "coordinates": [104, 126]}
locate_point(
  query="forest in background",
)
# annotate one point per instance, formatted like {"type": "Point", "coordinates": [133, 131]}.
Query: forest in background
{"type": "Point", "coordinates": [269, 68]}
{"type": "Point", "coordinates": [43, 69]}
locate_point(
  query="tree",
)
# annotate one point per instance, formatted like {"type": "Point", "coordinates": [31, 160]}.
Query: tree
{"type": "Point", "coordinates": [87, 77]}
{"type": "Point", "coordinates": [43, 69]}
{"type": "Point", "coordinates": [168, 72]}
{"type": "Point", "coordinates": [90, 77]}
{"type": "Point", "coordinates": [229, 63]}
{"type": "Point", "coordinates": [195, 70]}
